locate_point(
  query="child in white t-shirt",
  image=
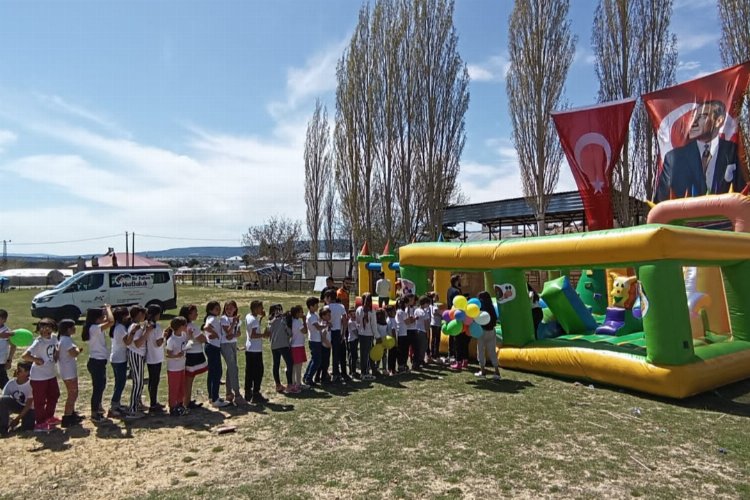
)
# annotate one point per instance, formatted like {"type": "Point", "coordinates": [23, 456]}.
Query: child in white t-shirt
{"type": "Point", "coordinates": [118, 359]}
{"type": "Point", "coordinates": [295, 319]}
{"type": "Point", "coordinates": [314, 328]}
{"type": "Point", "coordinates": [230, 331]}
{"type": "Point", "coordinates": [392, 332]}
{"type": "Point", "coordinates": [43, 375]}
{"type": "Point", "coordinates": [97, 320]}
{"type": "Point", "coordinates": [254, 353]}
{"type": "Point", "coordinates": [67, 352]}
{"type": "Point", "coordinates": [352, 342]}
{"type": "Point", "coordinates": [17, 397]}
{"type": "Point", "coordinates": [7, 350]}
{"type": "Point", "coordinates": [382, 331]}
{"type": "Point", "coordinates": [154, 357]}
{"type": "Point", "coordinates": [212, 331]}
{"type": "Point", "coordinates": [176, 336]}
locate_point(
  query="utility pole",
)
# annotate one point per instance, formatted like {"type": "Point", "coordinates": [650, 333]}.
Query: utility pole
{"type": "Point", "coordinates": [5, 252]}
{"type": "Point", "coordinates": [127, 251]}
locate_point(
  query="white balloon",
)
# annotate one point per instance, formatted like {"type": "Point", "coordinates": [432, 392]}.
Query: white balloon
{"type": "Point", "coordinates": [483, 318]}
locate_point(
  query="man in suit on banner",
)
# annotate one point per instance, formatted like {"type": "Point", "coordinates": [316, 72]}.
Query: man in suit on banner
{"type": "Point", "coordinates": [706, 164]}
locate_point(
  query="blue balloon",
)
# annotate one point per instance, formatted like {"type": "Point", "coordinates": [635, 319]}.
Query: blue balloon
{"type": "Point", "coordinates": [460, 316]}
{"type": "Point", "coordinates": [475, 330]}
{"type": "Point", "coordinates": [475, 301]}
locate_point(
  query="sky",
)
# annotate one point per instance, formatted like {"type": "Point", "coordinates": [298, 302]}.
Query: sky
{"type": "Point", "coordinates": [184, 121]}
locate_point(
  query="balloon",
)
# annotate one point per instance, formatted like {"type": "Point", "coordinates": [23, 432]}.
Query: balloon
{"type": "Point", "coordinates": [444, 327]}
{"type": "Point", "coordinates": [465, 329]}
{"type": "Point", "coordinates": [389, 342]}
{"type": "Point", "coordinates": [22, 338]}
{"type": "Point", "coordinates": [472, 310]}
{"type": "Point", "coordinates": [452, 314]}
{"type": "Point", "coordinates": [447, 316]}
{"type": "Point", "coordinates": [467, 320]}
{"type": "Point", "coordinates": [376, 353]}
{"type": "Point", "coordinates": [483, 318]}
{"type": "Point", "coordinates": [475, 330]}
{"type": "Point", "coordinates": [454, 327]}
{"type": "Point", "coordinates": [459, 302]}
{"type": "Point", "coordinates": [459, 316]}
{"type": "Point", "coordinates": [474, 301]}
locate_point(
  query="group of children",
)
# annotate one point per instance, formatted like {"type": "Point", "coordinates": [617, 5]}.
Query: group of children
{"type": "Point", "coordinates": [408, 331]}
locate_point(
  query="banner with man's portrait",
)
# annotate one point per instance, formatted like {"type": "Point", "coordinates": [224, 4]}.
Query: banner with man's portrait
{"type": "Point", "coordinates": [697, 127]}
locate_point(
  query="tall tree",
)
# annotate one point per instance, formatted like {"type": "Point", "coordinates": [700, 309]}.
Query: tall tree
{"type": "Point", "coordinates": [329, 225]}
{"type": "Point", "coordinates": [317, 174]}
{"type": "Point", "coordinates": [617, 47]}
{"type": "Point", "coordinates": [735, 49]}
{"type": "Point", "coordinates": [656, 71]}
{"type": "Point", "coordinates": [541, 49]}
{"type": "Point", "coordinates": [277, 243]}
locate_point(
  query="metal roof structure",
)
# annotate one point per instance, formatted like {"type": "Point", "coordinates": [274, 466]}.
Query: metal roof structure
{"type": "Point", "coordinates": [565, 208]}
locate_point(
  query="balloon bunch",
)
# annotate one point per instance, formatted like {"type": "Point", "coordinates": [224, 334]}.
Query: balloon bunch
{"type": "Point", "coordinates": [465, 317]}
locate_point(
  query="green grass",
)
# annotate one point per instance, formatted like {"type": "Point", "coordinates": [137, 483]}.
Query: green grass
{"type": "Point", "coordinates": [437, 434]}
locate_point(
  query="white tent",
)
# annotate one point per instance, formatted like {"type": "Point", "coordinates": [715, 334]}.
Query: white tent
{"type": "Point", "coordinates": [36, 277]}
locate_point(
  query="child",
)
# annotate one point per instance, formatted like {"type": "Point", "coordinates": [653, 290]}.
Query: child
{"type": "Point", "coordinates": [176, 336]}
{"type": "Point", "coordinates": [118, 359]}
{"type": "Point", "coordinates": [154, 357]}
{"type": "Point", "coordinates": [67, 352]}
{"type": "Point", "coordinates": [402, 334]}
{"type": "Point", "coordinates": [230, 330]}
{"type": "Point", "coordinates": [44, 385]}
{"type": "Point", "coordinates": [212, 331]}
{"type": "Point", "coordinates": [382, 327]}
{"type": "Point", "coordinates": [411, 329]}
{"type": "Point", "coordinates": [422, 322]}
{"type": "Point", "coordinates": [367, 331]}
{"type": "Point", "coordinates": [7, 350]}
{"type": "Point", "coordinates": [295, 322]}
{"type": "Point", "coordinates": [393, 332]}
{"type": "Point", "coordinates": [254, 353]}
{"type": "Point", "coordinates": [280, 347]}
{"type": "Point", "coordinates": [352, 342]}
{"type": "Point", "coordinates": [97, 320]}
{"type": "Point", "coordinates": [338, 341]}
{"type": "Point", "coordinates": [136, 341]}
{"type": "Point", "coordinates": [325, 337]}
{"type": "Point", "coordinates": [487, 343]}
{"type": "Point", "coordinates": [313, 331]}
{"type": "Point", "coordinates": [435, 323]}
{"type": "Point", "coordinates": [18, 398]}
{"type": "Point", "coordinates": [195, 359]}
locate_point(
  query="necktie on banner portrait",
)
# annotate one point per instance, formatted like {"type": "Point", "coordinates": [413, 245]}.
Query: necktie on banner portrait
{"type": "Point", "coordinates": [696, 124]}
{"type": "Point", "coordinates": [592, 138]}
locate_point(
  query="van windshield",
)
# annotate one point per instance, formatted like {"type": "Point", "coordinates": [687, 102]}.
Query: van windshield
{"type": "Point", "coordinates": [68, 281]}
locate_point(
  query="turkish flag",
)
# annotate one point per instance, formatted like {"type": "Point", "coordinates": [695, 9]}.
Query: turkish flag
{"type": "Point", "coordinates": [696, 124]}
{"type": "Point", "coordinates": [592, 138]}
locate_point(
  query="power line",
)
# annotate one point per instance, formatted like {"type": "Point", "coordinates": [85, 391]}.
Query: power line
{"type": "Point", "coordinates": [186, 239]}
{"type": "Point", "coordinates": [69, 241]}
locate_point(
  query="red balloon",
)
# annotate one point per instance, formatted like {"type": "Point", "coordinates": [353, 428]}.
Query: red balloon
{"type": "Point", "coordinates": [468, 321]}
{"type": "Point", "coordinates": [452, 314]}
{"type": "Point", "coordinates": [465, 329]}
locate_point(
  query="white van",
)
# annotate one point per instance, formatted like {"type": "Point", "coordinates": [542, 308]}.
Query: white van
{"type": "Point", "coordinates": [115, 286]}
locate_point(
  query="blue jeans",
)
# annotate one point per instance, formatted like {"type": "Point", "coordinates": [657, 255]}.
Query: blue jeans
{"type": "Point", "coordinates": [120, 370]}
{"type": "Point", "coordinates": [213, 380]}
{"type": "Point", "coordinates": [316, 349]}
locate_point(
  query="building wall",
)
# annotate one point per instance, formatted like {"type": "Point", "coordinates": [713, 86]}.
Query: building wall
{"type": "Point", "coordinates": [340, 267]}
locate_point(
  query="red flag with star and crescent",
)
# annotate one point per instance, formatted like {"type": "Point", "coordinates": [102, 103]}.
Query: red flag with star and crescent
{"type": "Point", "coordinates": [592, 138]}
{"type": "Point", "coordinates": [697, 126]}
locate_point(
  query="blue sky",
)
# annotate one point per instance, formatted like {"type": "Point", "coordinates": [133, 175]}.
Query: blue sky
{"type": "Point", "coordinates": [187, 119]}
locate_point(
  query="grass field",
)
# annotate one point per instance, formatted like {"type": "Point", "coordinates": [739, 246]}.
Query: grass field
{"type": "Point", "coordinates": [436, 434]}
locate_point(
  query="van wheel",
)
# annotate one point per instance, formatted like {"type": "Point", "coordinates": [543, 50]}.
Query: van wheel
{"type": "Point", "coordinates": [70, 313]}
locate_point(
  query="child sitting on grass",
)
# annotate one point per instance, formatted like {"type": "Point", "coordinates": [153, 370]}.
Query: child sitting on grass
{"type": "Point", "coordinates": [18, 398]}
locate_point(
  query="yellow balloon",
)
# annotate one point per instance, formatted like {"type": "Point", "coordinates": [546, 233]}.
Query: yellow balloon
{"type": "Point", "coordinates": [472, 310]}
{"type": "Point", "coordinates": [376, 353]}
{"type": "Point", "coordinates": [459, 302]}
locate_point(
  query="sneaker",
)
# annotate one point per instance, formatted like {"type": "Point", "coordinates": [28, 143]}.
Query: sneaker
{"type": "Point", "coordinates": [193, 405]}
{"type": "Point", "coordinates": [456, 366]}
{"type": "Point", "coordinates": [293, 389]}
{"type": "Point", "coordinates": [114, 413]}
{"type": "Point", "coordinates": [280, 388]}
{"type": "Point", "coordinates": [305, 387]}
{"type": "Point", "coordinates": [465, 364]}
{"type": "Point", "coordinates": [355, 375]}
{"type": "Point", "coordinates": [220, 403]}
{"type": "Point", "coordinates": [258, 399]}
{"type": "Point", "coordinates": [53, 421]}
{"type": "Point", "coordinates": [496, 377]}
{"type": "Point", "coordinates": [78, 416]}
{"type": "Point", "coordinates": [157, 408]}
{"type": "Point", "coordinates": [133, 415]}
{"type": "Point", "coordinates": [43, 427]}
{"type": "Point", "coordinates": [69, 421]}
{"type": "Point", "coordinates": [347, 378]}
{"type": "Point", "coordinates": [368, 377]}
{"type": "Point", "coordinates": [479, 374]}
{"type": "Point", "coordinates": [98, 418]}
{"type": "Point", "coordinates": [337, 380]}
{"type": "Point", "coordinates": [239, 400]}
{"type": "Point", "coordinates": [177, 411]}
{"type": "Point", "coordinates": [142, 407]}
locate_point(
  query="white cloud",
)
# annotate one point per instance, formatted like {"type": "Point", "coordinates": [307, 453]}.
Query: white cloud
{"type": "Point", "coordinates": [688, 65]}
{"type": "Point", "coordinates": [688, 42]}
{"type": "Point", "coordinates": [494, 69]}
{"type": "Point", "coordinates": [57, 103]}
{"type": "Point", "coordinates": [6, 139]}
{"type": "Point", "coordinates": [584, 55]}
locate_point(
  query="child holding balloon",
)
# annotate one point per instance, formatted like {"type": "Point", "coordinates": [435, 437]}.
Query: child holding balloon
{"type": "Point", "coordinates": [487, 343]}
{"type": "Point", "coordinates": [462, 340]}
{"type": "Point", "coordinates": [402, 349]}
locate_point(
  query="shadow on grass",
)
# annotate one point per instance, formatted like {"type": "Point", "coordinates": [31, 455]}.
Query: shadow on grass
{"type": "Point", "coordinates": [503, 385]}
